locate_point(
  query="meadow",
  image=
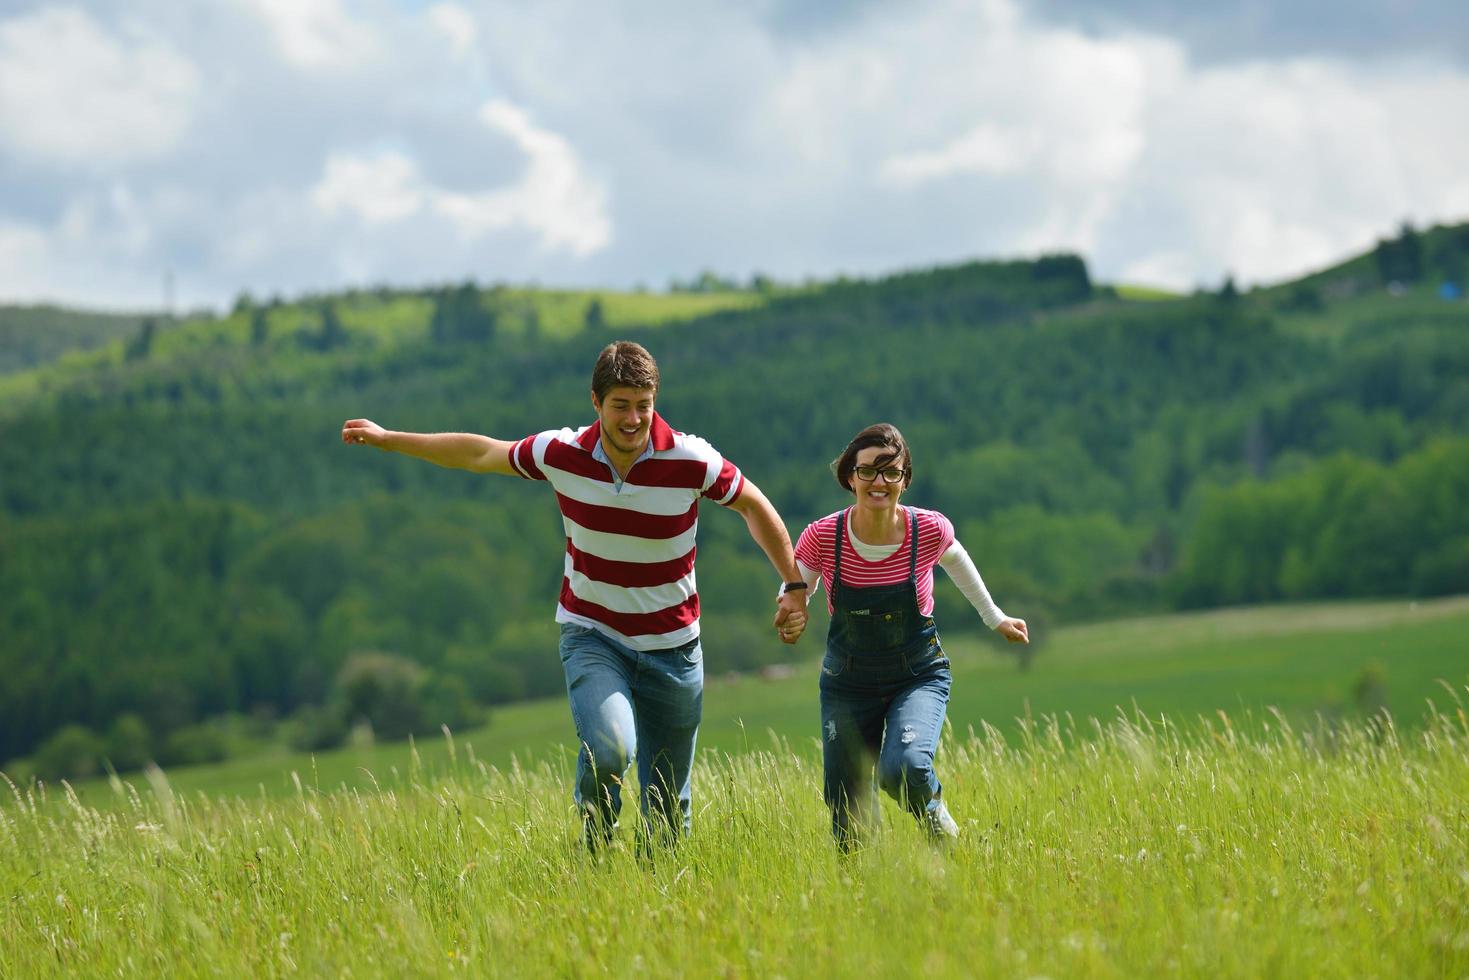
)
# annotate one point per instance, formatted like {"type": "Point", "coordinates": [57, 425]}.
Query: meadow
{"type": "Point", "coordinates": [1301, 659]}
{"type": "Point", "coordinates": [1240, 819]}
{"type": "Point", "coordinates": [1119, 849]}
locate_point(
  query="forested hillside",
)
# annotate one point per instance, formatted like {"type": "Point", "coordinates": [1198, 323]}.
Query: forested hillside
{"type": "Point", "coordinates": [183, 537]}
{"type": "Point", "coordinates": [32, 335]}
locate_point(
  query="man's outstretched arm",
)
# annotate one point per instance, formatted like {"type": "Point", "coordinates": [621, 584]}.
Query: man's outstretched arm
{"type": "Point", "coordinates": [456, 450]}
{"type": "Point", "coordinates": [770, 534]}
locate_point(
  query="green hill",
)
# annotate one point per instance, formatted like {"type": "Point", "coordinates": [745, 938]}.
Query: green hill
{"type": "Point", "coordinates": [35, 335]}
{"type": "Point", "coordinates": [183, 537]}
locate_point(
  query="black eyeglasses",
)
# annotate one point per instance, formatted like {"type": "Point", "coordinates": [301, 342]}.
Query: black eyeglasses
{"type": "Point", "coordinates": [892, 474]}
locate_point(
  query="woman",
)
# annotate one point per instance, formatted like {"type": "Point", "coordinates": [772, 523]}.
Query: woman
{"type": "Point", "coordinates": [885, 679]}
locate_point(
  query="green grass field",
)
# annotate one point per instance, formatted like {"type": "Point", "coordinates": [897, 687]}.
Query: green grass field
{"type": "Point", "coordinates": [1138, 850]}
{"type": "Point", "coordinates": [1287, 836]}
{"type": "Point", "coordinates": [1144, 294]}
{"type": "Point", "coordinates": [1299, 659]}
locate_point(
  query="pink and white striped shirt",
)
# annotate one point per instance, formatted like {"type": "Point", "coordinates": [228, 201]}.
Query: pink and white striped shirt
{"type": "Point", "coordinates": [630, 544]}
{"type": "Point", "coordinates": [815, 550]}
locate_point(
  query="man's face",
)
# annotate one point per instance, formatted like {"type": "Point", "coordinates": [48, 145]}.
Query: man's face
{"type": "Point", "coordinates": [627, 416]}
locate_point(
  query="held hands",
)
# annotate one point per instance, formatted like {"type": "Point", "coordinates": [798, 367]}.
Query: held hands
{"type": "Point", "coordinates": [1014, 630]}
{"type": "Point", "coordinates": [790, 615]}
{"type": "Point", "coordinates": [362, 432]}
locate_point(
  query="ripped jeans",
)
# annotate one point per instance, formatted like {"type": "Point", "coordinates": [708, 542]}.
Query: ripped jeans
{"type": "Point", "coordinates": [630, 704]}
{"type": "Point", "coordinates": [887, 711]}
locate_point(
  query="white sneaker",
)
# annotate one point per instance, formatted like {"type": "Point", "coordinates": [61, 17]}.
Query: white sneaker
{"type": "Point", "coordinates": [941, 826]}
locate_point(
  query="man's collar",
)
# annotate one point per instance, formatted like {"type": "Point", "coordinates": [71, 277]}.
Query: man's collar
{"type": "Point", "coordinates": [660, 436]}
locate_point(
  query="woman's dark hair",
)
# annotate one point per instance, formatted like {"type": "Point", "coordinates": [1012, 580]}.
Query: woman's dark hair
{"type": "Point", "coordinates": [884, 435]}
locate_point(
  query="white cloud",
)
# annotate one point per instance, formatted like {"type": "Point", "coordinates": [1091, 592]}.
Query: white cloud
{"type": "Point", "coordinates": [377, 189]}
{"type": "Point", "coordinates": [1456, 198]}
{"type": "Point", "coordinates": [318, 34]}
{"type": "Point", "coordinates": [1276, 169]}
{"type": "Point", "coordinates": [1174, 268]}
{"type": "Point", "coordinates": [1042, 102]}
{"type": "Point", "coordinates": [95, 247]}
{"type": "Point", "coordinates": [112, 219]}
{"type": "Point", "coordinates": [457, 26]}
{"type": "Point", "coordinates": [24, 262]}
{"type": "Point", "coordinates": [72, 93]}
{"type": "Point", "coordinates": [422, 141]}
{"type": "Point", "coordinates": [959, 112]}
{"type": "Point", "coordinates": [1263, 169]}
{"type": "Point", "coordinates": [986, 149]}
{"type": "Point", "coordinates": [553, 199]}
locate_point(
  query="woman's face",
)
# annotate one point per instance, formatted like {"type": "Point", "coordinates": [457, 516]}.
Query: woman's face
{"type": "Point", "coordinates": [876, 493]}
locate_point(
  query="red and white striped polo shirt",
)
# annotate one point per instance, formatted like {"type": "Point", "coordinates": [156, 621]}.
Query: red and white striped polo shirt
{"type": "Point", "coordinates": [815, 549]}
{"type": "Point", "coordinates": [630, 547]}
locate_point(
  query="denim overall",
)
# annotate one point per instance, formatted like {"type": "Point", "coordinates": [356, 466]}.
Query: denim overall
{"type": "Point", "coordinates": [884, 688]}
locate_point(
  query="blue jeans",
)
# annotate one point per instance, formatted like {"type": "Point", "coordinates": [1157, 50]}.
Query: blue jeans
{"type": "Point", "coordinates": [628, 703]}
{"type": "Point", "coordinates": [888, 710]}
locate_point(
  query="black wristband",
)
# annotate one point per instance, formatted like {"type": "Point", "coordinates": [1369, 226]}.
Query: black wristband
{"type": "Point", "coordinates": [791, 587]}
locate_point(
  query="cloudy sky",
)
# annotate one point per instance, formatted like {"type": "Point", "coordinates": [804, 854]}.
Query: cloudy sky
{"type": "Point", "coordinates": [279, 146]}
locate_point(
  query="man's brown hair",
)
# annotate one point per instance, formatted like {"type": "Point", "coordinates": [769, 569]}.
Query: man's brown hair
{"type": "Point", "coordinates": [623, 364]}
{"type": "Point", "coordinates": [884, 435]}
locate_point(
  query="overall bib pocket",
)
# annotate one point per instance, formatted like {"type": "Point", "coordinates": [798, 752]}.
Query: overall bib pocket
{"type": "Point", "coordinates": [878, 629]}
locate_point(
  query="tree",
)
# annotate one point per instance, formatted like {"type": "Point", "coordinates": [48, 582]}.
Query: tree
{"type": "Point", "coordinates": [74, 752]}
{"type": "Point", "coordinates": [1303, 299]}
{"type": "Point", "coordinates": [1256, 447]}
{"type": "Point", "coordinates": [129, 743]}
{"type": "Point", "coordinates": [1400, 259]}
{"type": "Point", "coordinates": [383, 690]}
{"type": "Point", "coordinates": [1410, 246]}
{"type": "Point", "coordinates": [594, 319]}
{"type": "Point", "coordinates": [1066, 271]}
{"type": "Point", "coordinates": [447, 701]}
{"type": "Point", "coordinates": [460, 316]}
{"type": "Point", "coordinates": [314, 727]}
{"type": "Point", "coordinates": [332, 333]}
{"type": "Point", "coordinates": [141, 346]}
{"type": "Point", "coordinates": [194, 745]}
{"type": "Point", "coordinates": [259, 327]}
{"type": "Point", "coordinates": [707, 281]}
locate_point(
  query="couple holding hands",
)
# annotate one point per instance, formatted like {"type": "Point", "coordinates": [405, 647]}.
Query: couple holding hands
{"type": "Point", "coordinates": [629, 488]}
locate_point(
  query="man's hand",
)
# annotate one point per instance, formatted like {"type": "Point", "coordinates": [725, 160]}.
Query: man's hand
{"type": "Point", "coordinates": [770, 534]}
{"type": "Point", "coordinates": [790, 615]}
{"type": "Point", "coordinates": [1014, 630]}
{"type": "Point", "coordinates": [456, 450]}
{"type": "Point", "coordinates": [363, 432]}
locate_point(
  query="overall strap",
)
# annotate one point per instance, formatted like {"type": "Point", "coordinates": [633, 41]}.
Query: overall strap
{"type": "Point", "coordinates": [839, 537]}
{"type": "Point", "coordinates": [913, 540]}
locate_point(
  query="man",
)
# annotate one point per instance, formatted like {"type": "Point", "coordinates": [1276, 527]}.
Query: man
{"type": "Point", "coordinates": [629, 488]}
